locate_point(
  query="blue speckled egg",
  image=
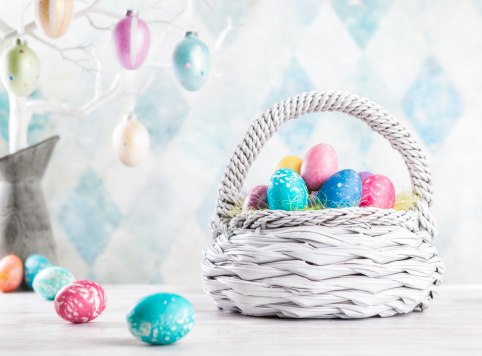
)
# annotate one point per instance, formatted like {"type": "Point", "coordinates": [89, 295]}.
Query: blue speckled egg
{"type": "Point", "coordinates": [191, 62]}
{"type": "Point", "coordinates": [161, 318]}
{"type": "Point", "coordinates": [33, 265]}
{"type": "Point", "coordinates": [287, 191]}
{"type": "Point", "coordinates": [342, 190]}
{"type": "Point", "coordinates": [50, 280]}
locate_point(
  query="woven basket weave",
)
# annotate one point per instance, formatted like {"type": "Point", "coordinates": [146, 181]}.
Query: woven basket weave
{"type": "Point", "coordinates": [331, 263]}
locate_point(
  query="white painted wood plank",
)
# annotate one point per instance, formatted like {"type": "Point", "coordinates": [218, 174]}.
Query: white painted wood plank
{"type": "Point", "coordinates": [451, 326]}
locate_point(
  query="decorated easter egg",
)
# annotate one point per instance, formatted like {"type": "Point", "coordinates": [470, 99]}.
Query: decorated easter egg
{"type": "Point", "coordinates": [33, 265]}
{"type": "Point", "coordinates": [319, 164]}
{"type": "Point", "coordinates": [291, 162]}
{"type": "Point", "coordinates": [313, 199]}
{"type": "Point", "coordinates": [378, 191]}
{"type": "Point", "coordinates": [11, 273]}
{"type": "Point", "coordinates": [131, 141]}
{"type": "Point", "coordinates": [20, 69]}
{"type": "Point", "coordinates": [80, 302]}
{"type": "Point", "coordinates": [364, 175]}
{"type": "Point", "coordinates": [191, 62]}
{"type": "Point", "coordinates": [287, 191]}
{"type": "Point", "coordinates": [341, 190]}
{"type": "Point", "coordinates": [132, 39]}
{"type": "Point", "coordinates": [257, 199]}
{"type": "Point", "coordinates": [161, 318]}
{"type": "Point", "coordinates": [53, 16]}
{"type": "Point", "coordinates": [49, 281]}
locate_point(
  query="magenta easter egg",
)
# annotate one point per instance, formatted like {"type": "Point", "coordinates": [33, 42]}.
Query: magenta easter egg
{"type": "Point", "coordinates": [319, 164]}
{"type": "Point", "coordinates": [257, 199]}
{"type": "Point", "coordinates": [313, 199]}
{"type": "Point", "coordinates": [378, 191]}
{"type": "Point", "coordinates": [364, 175]}
{"type": "Point", "coordinates": [80, 302]}
{"type": "Point", "coordinates": [132, 40]}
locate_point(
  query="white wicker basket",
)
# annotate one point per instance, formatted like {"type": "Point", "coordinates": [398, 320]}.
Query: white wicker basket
{"type": "Point", "coordinates": [332, 263]}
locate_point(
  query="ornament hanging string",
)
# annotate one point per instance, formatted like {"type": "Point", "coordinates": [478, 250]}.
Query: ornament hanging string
{"type": "Point", "coordinates": [189, 15]}
{"type": "Point", "coordinates": [21, 18]}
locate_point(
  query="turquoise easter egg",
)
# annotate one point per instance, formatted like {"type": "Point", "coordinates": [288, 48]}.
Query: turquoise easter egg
{"type": "Point", "coordinates": [287, 191]}
{"type": "Point", "coordinates": [33, 265]}
{"type": "Point", "coordinates": [191, 62]}
{"type": "Point", "coordinates": [161, 318]}
{"type": "Point", "coordinates": [342, 190]}
{"type": "Point", "coordinates": [49, 281]}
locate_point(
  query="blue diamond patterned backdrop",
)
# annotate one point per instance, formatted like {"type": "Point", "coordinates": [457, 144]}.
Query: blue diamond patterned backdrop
{"type": "Point", "coordinates": [421, 60]}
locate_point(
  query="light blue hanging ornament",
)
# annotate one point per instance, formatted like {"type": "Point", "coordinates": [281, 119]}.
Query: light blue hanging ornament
{"type": "Point", "coordinates": [191, 62]}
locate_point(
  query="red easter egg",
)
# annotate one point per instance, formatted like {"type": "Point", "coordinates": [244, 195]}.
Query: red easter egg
{"type": "Point", "coordinates": [319, 164]}
{"type": "Point", "coordinates": [11, 273]}
{"type": "Point", "coordinates": [80, 302]}
{"type": "Point", "coordinates": [378, 191]}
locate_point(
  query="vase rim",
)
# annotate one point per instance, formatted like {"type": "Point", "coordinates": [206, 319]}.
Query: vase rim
{"type": "Point", "coordinates": [53, 138]}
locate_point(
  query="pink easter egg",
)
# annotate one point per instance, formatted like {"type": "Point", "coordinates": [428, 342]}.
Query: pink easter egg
{"type": "Point", "coordinates": [378, 191]}
{"type": "Point", "coordinates": [364, 175]}
{"type": "Point", "coordinates": [80, 302]}
{"type": "Point", "coordinates": [132, 40]}
{"type": "Point", "coordinates": [256, 199]}
{"type": "Point", "coordinates": [319, 164]}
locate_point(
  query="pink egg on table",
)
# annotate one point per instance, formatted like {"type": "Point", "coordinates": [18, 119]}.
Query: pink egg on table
{"type": "Point", "coordinates": [80, 302]}
{"type": "Point", "coordinates": [256, 199]}
{"type": "Point", "coordinates": [378, 191]}
{"type": "Point", "coordinates": [364, 175]}
{"type": "Point", "coordinates": [319, 164]}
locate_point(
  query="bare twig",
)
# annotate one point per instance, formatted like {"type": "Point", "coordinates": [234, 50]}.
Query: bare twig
{"type": "Point", "coordinates": [222, 36]}
{"type": "Point", "coordinates": [61, 52]}
{"type": "Point", "coordinates": [42, 106]}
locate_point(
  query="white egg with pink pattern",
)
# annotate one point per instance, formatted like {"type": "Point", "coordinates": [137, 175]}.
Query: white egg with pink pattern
{"type": "Point", "coordinates": [80, 302]}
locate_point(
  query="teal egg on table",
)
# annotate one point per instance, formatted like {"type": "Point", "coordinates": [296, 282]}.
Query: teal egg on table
{"type": "Point", "coordinates": [33, 265]}
{"type": "Point", "coordinates": [342, 190]}
{"type": "Point", "coordinates": [49, 281]}
{"type": "Point", "coordinates": [191, 62]}
{"type": "Point", "coordinates": [161, 318]}
{"type": "Point", "coordinates": [287, 191]}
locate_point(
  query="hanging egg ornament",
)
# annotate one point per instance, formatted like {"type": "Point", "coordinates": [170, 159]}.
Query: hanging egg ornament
{"type": "Point", "coordinates": [191, 62]}
{"type": "Point", "coordinates": [131, 141]}
{"type": "Point", "coordinates": [20, 69]}
{"type": "Point", "coordinates": [53, 16]}
{"type": "Point", "coordinates": [132, 39]}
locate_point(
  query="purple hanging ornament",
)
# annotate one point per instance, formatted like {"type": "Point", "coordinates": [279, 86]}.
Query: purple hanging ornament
{"type": "Point", "coordinates": [132, 40]}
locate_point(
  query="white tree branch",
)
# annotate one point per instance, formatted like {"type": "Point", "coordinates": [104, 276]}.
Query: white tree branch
{"type": "Point", "coordinates": [41, 106]}
{"type": "Point", "coordinates": [222, 36]}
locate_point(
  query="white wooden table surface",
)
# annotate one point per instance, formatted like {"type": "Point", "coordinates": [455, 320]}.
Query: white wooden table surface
{"type": "Point", "coordinates": [451, 326]}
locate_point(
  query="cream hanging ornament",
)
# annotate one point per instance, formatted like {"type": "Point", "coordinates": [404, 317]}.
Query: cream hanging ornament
{"type": "Point", "coordinates": [131, 141]}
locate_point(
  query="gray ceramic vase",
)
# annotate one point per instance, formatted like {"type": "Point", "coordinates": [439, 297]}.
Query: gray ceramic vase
{"type": "Point", "coordinates": [24, 219]}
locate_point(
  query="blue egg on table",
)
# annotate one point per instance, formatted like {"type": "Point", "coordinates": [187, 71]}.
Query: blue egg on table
{"type": "Point", "coordinates": [342, 190]}
{"type": "Point", "coordinates": [33, 265]}
{"type": "Point", "coordinates": [287, 191]}
{"type": "Point", "coordinates": [49, 281]}
{"type": "Point", "coordinates": [161, 318]}
{"type": "Point", "coordinates": [191, 62]}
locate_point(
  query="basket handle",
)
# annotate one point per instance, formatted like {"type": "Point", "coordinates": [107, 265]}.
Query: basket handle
{"type": "Point", "coordinates": [379, 120]}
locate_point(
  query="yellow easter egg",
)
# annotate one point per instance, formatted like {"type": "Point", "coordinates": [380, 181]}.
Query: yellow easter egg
{"type": "Point", "coordinates": [131, 141]}
{"type": "Point", "coordinates": [53, 16]}
{"type": "Point", "coordinates": [291, 162]}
